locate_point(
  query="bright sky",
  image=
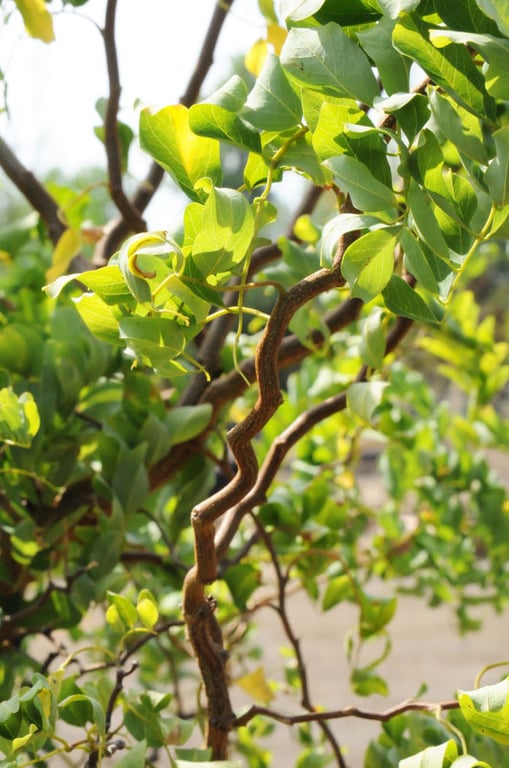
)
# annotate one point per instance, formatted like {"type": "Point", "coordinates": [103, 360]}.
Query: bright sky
{"type": "Point", "coordinates": [52, 89]}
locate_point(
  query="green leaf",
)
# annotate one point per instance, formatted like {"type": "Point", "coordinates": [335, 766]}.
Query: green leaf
{"type": "Point", "coordinates": [226, 234]}
{"type": "Point", "coordinates": [255, 172]}
{"type": "Point", "coordinates": [326, 59]}
{"type": "Point", "coordinates": [466, 15]}
{"type": "Point", "coordinates": [125, 609]}
{"type": "Point", "coordinates": [494, 49]}
{"type": "Point", "coordinates": [37, 19]}
{"type": "Point", "coordinates": [301, 156]}
{"type": "Point", "coordinates": [368, 263]}
{"type": "Point", "coordinates": [273, 105]}
{"type": "Point", "coordinates": [430, 272]}
{"type": "Point", "coordinates": [146, 608]}
{"type": "Point", "coordinates": [187, 421]}
{"type": "Point", "coordinates": [134, 758]}
{"type": "Point", "coordinates": [208, 764]}
{"type": "Point", "coordinates": [216, 122]}
{"type": "Point", "coordinates": [404, 301]}
{"type": "Point", "coordinates": [464, 133]}
{"type": "Point", "coordinates": [426, 223]}
{"type": "Point", "coordinates": [130, 480]}
{"type": "Point", "coordinates": [337, 590]}
{"type": "Point", "coordinates": [22, 741]}
{"type": "Point", "coordinates": [232, 95]}
{"type": "Point", "coordinates": [167, 136]}
{"type": "Point", "coordinates": [365, 682]}
{"type": "Point", "coordinates": [368, 194]}
{"type": "Point", "coordinates": [376, 613]}
{"type": "Point", "coordinates": [298, 10]}
{"type": "Point", "coordinates": [486, 710]}
{"type": "Point", "coordinates": [242, 580]}
{"type": "Point", "coordinates": [19, 418]}
{"type": "Point", "coordinates": [372, 346]}
{"type": "Point", "coordinates": [452, 68]}
{"type": "Point", "coordinates": [393, 68]}
{"type": "Point", "coordinates": [441, 756]}
{"type": "Point", "coordinates": [364, 397]}
{"type": "Point", "coordinates": [498, 11]}
{"type": "Point", "coordinates": [10, 717]}
{"type": "Point", "coordinates": [99, 318]}
{"type": "Point", "coordinates": [85, 709]}
{"type": "Point", "coordinates": [141, 260]}
{"type": "Point", "coordinates": [497, 175]}
{"type": "Point", "coordinates": [393, 8]}
{"type": "Point", "coordinates": [412, 110]}
{"type": "Point", "coordinates": [336, 228]}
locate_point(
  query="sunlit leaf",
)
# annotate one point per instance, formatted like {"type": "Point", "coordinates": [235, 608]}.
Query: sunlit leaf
{"type": "Point", "coordinates": [297, 10]}
{"type": "Point", "coordinates": [66, 249]}
{"type": "Point", "coordinates": [219, 123]}
{"type": "Point", "coordinates": [368, 263]}
{"type": "Point", "coordinates": [126, 610]}
{"type": "Point", "coordinates": [37, 19]}
{"type": "Point", "coordinates": [226, 234]}
{"type": "Point", "coordinates": [441, 756]}
{"type": "Point", "coordinates": [498, 11]}
{"type": "Point", "coordinates": [167, 136]}
{"type": "Point", "coordinates": [486, 710]}
{"type": "Point", "coordinates": [325, 58]}
{"type": "Point", "coordinates": [19, 418]}
{"type": "Point", "coordinates": [452, 68]}
{"type": "Point", "coordinates": [147, 609]}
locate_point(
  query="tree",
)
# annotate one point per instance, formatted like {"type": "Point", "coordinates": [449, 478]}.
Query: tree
{"type": "Point", "coordinates": [182, 413]}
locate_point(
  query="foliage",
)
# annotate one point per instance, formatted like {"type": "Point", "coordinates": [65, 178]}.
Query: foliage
{"type": "Point", "coordinates": [189, 408]}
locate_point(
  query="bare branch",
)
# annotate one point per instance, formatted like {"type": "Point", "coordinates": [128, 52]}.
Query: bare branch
{"type": "Point", "coordinates": [128, 210]}
{"type": "Point", "coordinates": [337, 714]}
{"type": "Point", "coordinates": [306, 701]}
{"type": "Point", "coordinates": [33, 191]}
{"type": "Point", "coordinates": [119, 229]}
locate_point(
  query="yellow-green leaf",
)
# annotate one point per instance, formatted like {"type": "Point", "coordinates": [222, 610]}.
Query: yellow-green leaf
{"type": "Point", "coordinates": [256, 686]}
{"type": "Point", "coordinates": [486, 710]}
{"type": "Point", "coordinates": [23, 740]}
{"type": "Point", "coordinates": [147, 609]}
{"type": "Point", "coordinates": [37, 19]}
{"type": "Point", "coordinates": [68, 246]}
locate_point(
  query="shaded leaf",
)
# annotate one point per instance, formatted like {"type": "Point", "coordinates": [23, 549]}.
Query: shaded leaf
{"type": "Point", "coordinates": [497, 175]}
{"type": "Point", "coordinates": [363, 398]}
{"type": "Point", "coordinates": [404, 301]}
{"type": "Point", "coordinates": [273, 105]}
{"type": "Point", "coordinates": [368, 194]}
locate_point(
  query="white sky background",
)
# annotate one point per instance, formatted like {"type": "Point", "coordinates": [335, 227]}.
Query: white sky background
{"type": "Point", "coordinates": [52, 88]}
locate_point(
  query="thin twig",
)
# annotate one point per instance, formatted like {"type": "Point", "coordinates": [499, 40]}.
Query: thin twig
{"type": "Point", "coordinates": [129, 212]}
{"type": "Point", "coordinates": [119, 229]}
{"type": "Point", "coordinates": [337, 714]}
